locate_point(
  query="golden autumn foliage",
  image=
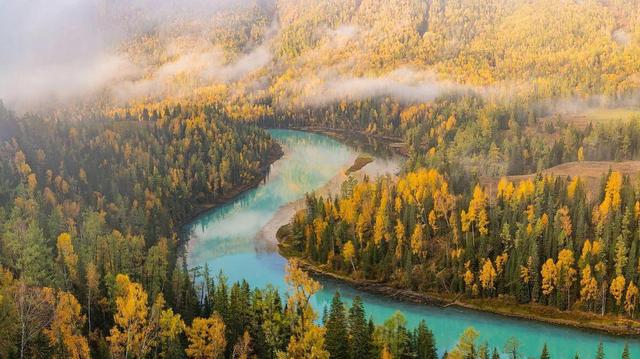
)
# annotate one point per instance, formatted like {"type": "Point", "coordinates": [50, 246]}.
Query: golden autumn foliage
{"type": "Point", "coordinates": [307, 340]}
{"type": "Point", "coordinates": [348, 252]}
{"type": "Point", "coordinates": [588, 285]}
{"type": "Point", "coordinates": [130, 335]}
{"type": "Point", "coordinates": [487, 275]}
{"type": "Point", "coordinates": [566, 271]}
{"type": "Point", "coordinates": [532, 217]}
{"type": "Point", "coordinates": [549, 273]}
{"type": "Point", "coordinates": [417, 241]}
{"type": "Point", "coordinates": [146, 166]}
{"type": "Point", "coordinates": [67, 256]}
{"type": "Point", "coordinates": [617, 288]}
{"type": "Point", "coordinates": [580, 154]}
{"type": "Point", "coordinates": [65, 333]}
{"type": "Point", "coordinates": [505, 189]}
{"type": "Point", "coordinates": [612, 199]}
{"type": "Point", "coordinates": [206, 338]}
{"type": "Point", "coordinates": [572, 186]}
{"type": "Point", "coordinates": [476, 217]}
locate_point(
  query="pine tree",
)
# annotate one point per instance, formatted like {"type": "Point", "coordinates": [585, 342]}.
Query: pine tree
{"type": "Point", "coordinates": [337, 337]}
{"type": "Point", "coordinates": [545, 352]}
{"type": "Point", "coordinates": [361, 341]}
{"type": "Point", "coordinates": [625, 352]}
{"type": "Point", "coordinates": [373, 350]}
{"type": "Point", "coordinates": [425, 342]}
{"type": "Point", "coordinates": [600, 352]}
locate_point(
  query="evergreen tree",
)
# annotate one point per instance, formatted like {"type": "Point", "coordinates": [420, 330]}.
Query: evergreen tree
{"type": "Point", "coordinates": [545, 352]}
{"type": "Point", "coordinates": [337, 340]}
{"type": "Point", "coordinates": [600, 352]}
{"type": "Point", "coordinates": [360, 334]}
{"type": "Point", "coordinates": [625, 352]}
{"type": "Point", "coordinates": [374, 351]}
{"type": "Point", "coordinates": [425, 345]}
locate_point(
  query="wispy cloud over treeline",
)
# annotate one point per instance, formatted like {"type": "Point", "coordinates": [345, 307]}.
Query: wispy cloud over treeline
{"type": "Point", "coordinates": [55, 51]}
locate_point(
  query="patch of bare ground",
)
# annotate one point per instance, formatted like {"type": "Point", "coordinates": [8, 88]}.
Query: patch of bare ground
{"type": "Point", "coordinates": [591, 172]}
{"type": "Point", "coordinates": [582, 119]}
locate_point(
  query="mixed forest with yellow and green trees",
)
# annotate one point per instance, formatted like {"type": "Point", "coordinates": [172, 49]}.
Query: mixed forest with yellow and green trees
{"type": "Point", "coordinates": [485, 96]}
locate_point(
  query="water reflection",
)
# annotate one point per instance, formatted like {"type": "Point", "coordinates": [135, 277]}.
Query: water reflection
{"type": "Point", "coordinates": [310, 161]}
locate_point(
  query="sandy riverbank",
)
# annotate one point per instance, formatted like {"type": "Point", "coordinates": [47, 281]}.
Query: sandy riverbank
{"type": "Point", "coordinates": [377, 167]}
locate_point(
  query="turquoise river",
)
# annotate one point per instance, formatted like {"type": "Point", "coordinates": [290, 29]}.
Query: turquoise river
{"type": "Point", "coordinates": [239, 239]}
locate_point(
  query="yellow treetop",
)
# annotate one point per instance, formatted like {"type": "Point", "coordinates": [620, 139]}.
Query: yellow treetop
{"type": "Point", "coordinates": [505, 189]}
{"type": "Point", "coordinates": [349, 252]}
{"type": "Point", "coordinates": [417, 241]}
{"type": "Point", "coordinates": [65, 333]}
{"type": "Point", "coordinates": [487, 275]}
{"type": "Point", "coordinates": [588, 285]}
{"type": "Point", "coordinates": [525, 190]}
{"type": "Point", "coordinates": [549, 273]}
{"type": "Point", "coordinates": [67, 255]}
{"type": "Point", "coordinates": [128, 337]}
{"type": "Point", "coordinates": [580, 154]}
{"type": "Point", "coordinates": [206, 338]}
{"type": "Point", "coordinates": [572, 187]}
{"type": "Point", "coordinates": [612, 200]}
{"type": "Point", "coordinates": [617, 288]}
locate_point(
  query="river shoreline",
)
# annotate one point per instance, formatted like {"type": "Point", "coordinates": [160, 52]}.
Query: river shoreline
{"type": "Point", "coordinates": [275, 154]}
{"type": "Point", "coordinates": [503, 307]}
{"type": "Point", "coordinates": [394, 144]}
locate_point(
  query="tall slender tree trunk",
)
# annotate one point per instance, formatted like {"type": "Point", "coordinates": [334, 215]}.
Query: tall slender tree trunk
{"type": "Point", "coordinates": [604, 296]}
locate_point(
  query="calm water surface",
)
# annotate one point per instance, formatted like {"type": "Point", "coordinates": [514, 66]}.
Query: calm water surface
{"type": "Point", "coordinates": [228, 239]}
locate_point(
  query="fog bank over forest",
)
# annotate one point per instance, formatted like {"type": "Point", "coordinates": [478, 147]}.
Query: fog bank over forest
{"type": "Point", "coordinates": [314, 52]}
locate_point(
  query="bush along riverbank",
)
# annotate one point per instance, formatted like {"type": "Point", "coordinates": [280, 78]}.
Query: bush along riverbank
{"type": "Point", "coordinates": [538, 249]}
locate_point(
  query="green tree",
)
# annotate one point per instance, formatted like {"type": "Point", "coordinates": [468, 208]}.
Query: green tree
{"type": "Point", "coordinates": [336, 325]}
{"type": "Point", "coordinates": [545, 352]}
{"type": "Point", "coordinates": [625, 352]}
{"type": "Point", "coordinates": [361, 341]}
{"type": "Point", "coordinates": [393, 335]}
{"type": "Point", "coordinates": [425, 343]}
{"type": "Point", "coordinates": [600, 352]}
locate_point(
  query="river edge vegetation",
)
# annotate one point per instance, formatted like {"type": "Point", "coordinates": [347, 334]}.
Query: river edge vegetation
{"type": "Point", "coordinates": [483, 252]}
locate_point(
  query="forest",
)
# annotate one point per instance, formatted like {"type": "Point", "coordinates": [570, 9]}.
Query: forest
{"type": "Point", "coordinates": [91, 211]}
{"type": "Point", "coordinates": [541, 240]}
